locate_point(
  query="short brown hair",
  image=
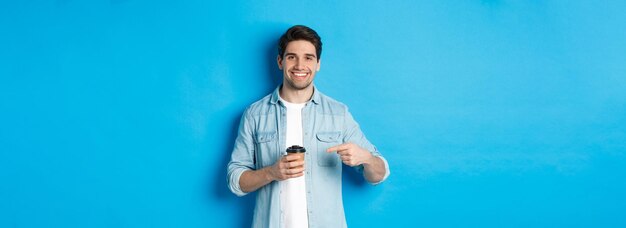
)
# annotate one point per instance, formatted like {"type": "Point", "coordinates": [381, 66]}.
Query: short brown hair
{"type": "Point", "coordinates": [300, 32]}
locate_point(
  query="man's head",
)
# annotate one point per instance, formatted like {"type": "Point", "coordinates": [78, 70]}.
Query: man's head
{"type": "Point", "coordinates": [299, 51]}
{"type": "Point", "coordinates": [300, 32]}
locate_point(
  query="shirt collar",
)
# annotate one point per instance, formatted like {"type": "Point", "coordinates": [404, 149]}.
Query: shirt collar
{"type": "Point", "coordinates": [276, 96]}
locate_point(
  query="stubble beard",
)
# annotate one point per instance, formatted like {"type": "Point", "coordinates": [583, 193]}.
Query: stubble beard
{"type": "Point", "coordinates": [295, 85]}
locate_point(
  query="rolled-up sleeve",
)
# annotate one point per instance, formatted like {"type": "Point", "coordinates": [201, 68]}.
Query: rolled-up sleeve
{"type": "Point", "coordinates": [242, 157]}
{"type": "Point", "coordinates": [354, 134]}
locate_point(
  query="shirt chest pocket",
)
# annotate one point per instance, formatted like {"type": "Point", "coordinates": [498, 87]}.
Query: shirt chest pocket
{"type": "Point", "coordinates": [326, 140]}
{"type": "Point", "coordinates": [265, 152]}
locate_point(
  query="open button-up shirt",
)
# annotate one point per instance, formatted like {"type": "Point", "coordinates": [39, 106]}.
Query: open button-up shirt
{"type": "Point", "coordinates": [260, 143]}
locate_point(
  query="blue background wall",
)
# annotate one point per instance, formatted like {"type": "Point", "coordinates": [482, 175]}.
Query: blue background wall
{"type": "Point", "coordinates": [502, 113]}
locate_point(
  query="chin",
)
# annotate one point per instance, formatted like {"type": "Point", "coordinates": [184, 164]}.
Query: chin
{"type": "Point", "coordinates": [300, 86]}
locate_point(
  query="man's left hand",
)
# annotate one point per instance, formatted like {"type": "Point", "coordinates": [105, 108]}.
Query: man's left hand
{"type": "Point", "coordinates": [352, 154]}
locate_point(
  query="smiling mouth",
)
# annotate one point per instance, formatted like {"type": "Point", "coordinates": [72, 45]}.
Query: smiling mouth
{"type": "Point", "coordinates": [300, 74]}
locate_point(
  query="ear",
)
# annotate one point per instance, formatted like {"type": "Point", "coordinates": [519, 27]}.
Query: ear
{"type": "Point", "coordinates": [319, 63]}
{"type": "Point", "coordinates": [279, 60]}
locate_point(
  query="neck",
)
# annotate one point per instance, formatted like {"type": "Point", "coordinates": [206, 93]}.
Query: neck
{"type": "Point", "coordinates": [296, 96]}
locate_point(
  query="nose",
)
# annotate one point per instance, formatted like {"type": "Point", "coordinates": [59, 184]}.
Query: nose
{"type": "Point", "coordinates": [298, 65]}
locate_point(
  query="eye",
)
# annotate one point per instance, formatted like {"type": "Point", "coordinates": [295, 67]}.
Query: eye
{"type": "Point", "coordinates": [290, 57]}
{"type": "Point", "coordinates": [309, 58]}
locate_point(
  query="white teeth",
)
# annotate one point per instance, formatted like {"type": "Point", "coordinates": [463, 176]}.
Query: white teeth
{"type": "Point", "coordinates": [300, 74]}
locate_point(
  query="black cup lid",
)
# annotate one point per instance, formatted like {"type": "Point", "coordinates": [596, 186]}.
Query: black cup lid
{"type": "Point", "coordinates": [296, 149]}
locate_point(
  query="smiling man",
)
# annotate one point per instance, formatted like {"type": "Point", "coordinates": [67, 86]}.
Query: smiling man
{"type": "Point", "coordinates": [291, 191]}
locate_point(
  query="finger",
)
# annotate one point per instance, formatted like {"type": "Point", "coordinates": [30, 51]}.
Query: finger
{"type": "Point", "coordinates": [292, 165]}
{"type": "Point", "coordinates": [291, 157]}
{"type": "Point", "coordinates": [286, 165]}
{"type": "Point", "coordinates": [296, 170]}
{"type": "Point", "coordinates": [289, 172]}
{"type": "Point", "coordinates": [295, 175]}
{"type": "Point", "coordinates": [350, 163]}
{"type": "Point", "coordinates": [296, 163]}
{"type": "Point", "coordinates": [338, 148]}
{"type": "Point", "coordinates": [344, 152]}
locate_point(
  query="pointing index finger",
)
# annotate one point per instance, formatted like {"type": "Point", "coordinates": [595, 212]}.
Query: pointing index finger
{"type": "Point", "coordinates": [337, 148]}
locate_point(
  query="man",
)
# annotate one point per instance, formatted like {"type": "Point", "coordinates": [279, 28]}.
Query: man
{"type": "Point", "coordinates": [292, 192]}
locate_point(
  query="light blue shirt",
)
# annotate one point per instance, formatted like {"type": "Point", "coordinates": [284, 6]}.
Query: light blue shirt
{"type": "Point", "coordinates": [260, 143]}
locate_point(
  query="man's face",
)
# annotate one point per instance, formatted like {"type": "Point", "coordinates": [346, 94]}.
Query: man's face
{"type": "Point", "coordinates": [299, 64]}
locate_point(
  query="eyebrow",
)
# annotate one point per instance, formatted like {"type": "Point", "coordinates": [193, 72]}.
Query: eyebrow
{"type": "Point", "coordinates": [309, 55]}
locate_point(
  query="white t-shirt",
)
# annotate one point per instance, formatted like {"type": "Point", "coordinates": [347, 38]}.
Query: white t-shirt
{"type": "Point", "coordinates": [293, 190]}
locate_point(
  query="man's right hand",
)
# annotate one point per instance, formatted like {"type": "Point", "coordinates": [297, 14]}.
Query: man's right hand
{"type": "Point", "coordinates": [289, 166]}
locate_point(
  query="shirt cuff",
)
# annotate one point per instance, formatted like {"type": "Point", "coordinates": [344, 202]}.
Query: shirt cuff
{"type": "Point", "coordinates": [233, 184]}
